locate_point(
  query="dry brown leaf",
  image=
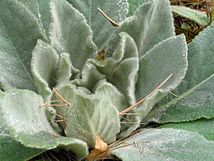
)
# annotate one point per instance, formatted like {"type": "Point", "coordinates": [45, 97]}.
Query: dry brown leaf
{"type": "Point", "coordinates": [100, 151]}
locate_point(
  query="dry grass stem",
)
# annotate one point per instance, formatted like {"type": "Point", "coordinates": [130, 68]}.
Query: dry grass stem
{"type": "Point", "coordinates": [108, 18]}
{"type": "Point", "coordinates": [143, 99]}
{"type": "Point", "coordinates": [61, 97]}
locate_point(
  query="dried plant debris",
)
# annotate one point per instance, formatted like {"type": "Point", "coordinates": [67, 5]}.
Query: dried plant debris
{"type": "Point", "coordinates": [188, 27]}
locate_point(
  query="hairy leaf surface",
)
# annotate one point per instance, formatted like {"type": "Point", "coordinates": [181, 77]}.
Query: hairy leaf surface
{"type": "Point", "coordinates": [70, 33]}
{"type": "Point", "coordinates": [64, 70]}
{"type": "Point", "coordinates": [27, 122]}
{"type": "Point", "coordinates": [19, 31]}
{"type": "Point", "coordinates": [13, 150]}
{"type": "Point", "coordinates": [41, 10]}
{"type": "Point", "coordinates": [204, 127]}
{"type": "Point", "coordinates": [121, 69]}
{"type": "Point", "coordinates": [165, 144]}
{"type": "Point", "coordinates": [195, 94]}
{"type": "Point", "coordinates": [88, 116]}
{"type": "Point", "coordinates": [155, 67]}
{"type": "Point", "coordinates": [151, 24]}
{"type": "Point", "coordinates": [44, 65]}
{"type": "Point", "coordinates": [102, 28]}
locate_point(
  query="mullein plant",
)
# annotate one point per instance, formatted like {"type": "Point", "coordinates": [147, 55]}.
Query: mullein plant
{"type": "Point", "coordinates": [80, 76]}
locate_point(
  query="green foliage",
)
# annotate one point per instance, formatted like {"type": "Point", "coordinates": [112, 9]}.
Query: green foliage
{"type": "Point", "coordinates": [194, 15]}
{"type": "Point", "coordinates": [88, 115]}
{"type": "Point", "coordinates": [202, 126]}
{"type": "Point", "coordinates": [19, 33]}
{"type": "Point", "coordinates": [58, 94]}
{"type": "Point", "coordinates": [165, 144]}
{"type": "Point", "coordinates": [12, 150]}
{"type": "Point", "coordinates": [195, 93]}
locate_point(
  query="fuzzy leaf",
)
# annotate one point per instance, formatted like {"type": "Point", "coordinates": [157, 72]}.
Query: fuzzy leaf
{"type": "Point", "coordinates": [45, 14]}
{"type": "Point", "coordinates": [102, 28]}
{"type": "Point", "coordinates": [41, 10]}
{"type": "Point", "coordinates": [107, 91]}
{"type": "Point", "coordinates": [88, 116]}
{"type": "Point", "coordinates": [64, 70]}
{"type": "Point", "coordinates": [22, 113]}
{"type": "Point", "coordinates": [90, 76]}
{"type": "Point", "coordinates": [44, 65]}
{"type": "Point", "coordinates": [3, 127]}
{"type": "Point", "coordinates": [151, 24]}
{"type": "Point", "coordinates": [195, 94]}
{"type": "Point", "coordinates": [27, 123]}
{"type": "Point", "coordinates": [134, 4]}
{"type": "Point", "coordinates": [32, 6]}
{"type": "Point", "coordinates": [155, 66]}
{"type": "Point", "coordinates": [12, 150]}
{"type": "Point", "coordinates": [165, 144]}
{"type": "Point", "coordinates": [204, 127]}
{"type": "Point", "coordinates": [19, 31]}
{"type": "Point", "coordinates": [121, 69]}
{"type": "Point", "coordinates": [194, 15]}
{"type": "Point", "coordinates": [194, 104]}
{"type": "Point", "coordinates": [70, 33]}
{"type": "Point", "coordinates": [125, 81]}
{"type": "Point", "coordinates": [168, 57]}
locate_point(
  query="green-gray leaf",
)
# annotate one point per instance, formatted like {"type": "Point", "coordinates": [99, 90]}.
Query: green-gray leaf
{"type": "Point", "coordinates": [3, 127]}
{"type": "Point", "coordinates": [203, 127]}
{"type": "Point", "coordinates": [70, 33]}
{"type": "Point", "coordinates": [107, 91]}
{"type": "Point", "coordinates": [121, 69]}
{"type": "Point", "coordinates": [165, 144]}
{"type": "Point", "coordinates": [166, 58]}
{"type": "Point", "coordinates": [11, 150]}
{"type": "Point", "coordinates": [45, 14]}
{"type": "Point", "coordinates": [151, 23]}
{"type": "Point", "coordinates": [102, 28]}
{"type": "Point", "coordinates": [194, 15]}
{"type": "Point", "coordinates": [41, 10]}
{"type": "Point", "coordinates": [90, 76]}
{"type": "Point", "coordinates": [19, 31]}
{"type": "Point", "coordinates": [26, 119]}
{"type": "Point", "coordinates": [64, 70]}
{"type": "Point", "coordinates": [44, 66]}
{"type": "Point", "coordinates": [134, 4]}
{"type": "Point", "coordinates": [195, 94]}
{"type": "Point", "coordinates": [23, 112]}
{"type": "Point", "coordinates": [88, 116]}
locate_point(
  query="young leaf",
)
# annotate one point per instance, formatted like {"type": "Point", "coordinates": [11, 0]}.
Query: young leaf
{"type": "Point", "coordinates": [90, 76]}
{"type": "Point", "coordinates": [19, 31]}
{"type": "Point", "coordinates": [151, 24]}
{"type": "Point", "coordinates": [44, 65]}
{"type": "Point", "coordinates": [102, 28]}
{"type": "Point", "coordinates": [88, 116]}
{"type": "Point", "coordinates": [121, 70]}
{"type": "Point", "coordinates": [64, 70]}
{"type": "Point", "coordinates": [107, 91]}
{"type": "Point", "coordinates": [70, 33]}
{"type": "Point", "coordinates": [27, 122]}
{"type": "Point", "coordinates": [195, 94]}
{"type": "Point", "coordinates": [13, 150]}
{"type": "Point", "coordinates": [164, 144]}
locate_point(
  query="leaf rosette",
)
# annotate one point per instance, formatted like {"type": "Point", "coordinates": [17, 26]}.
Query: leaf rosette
{"type": "Point", "coordinates": [68, 77]}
